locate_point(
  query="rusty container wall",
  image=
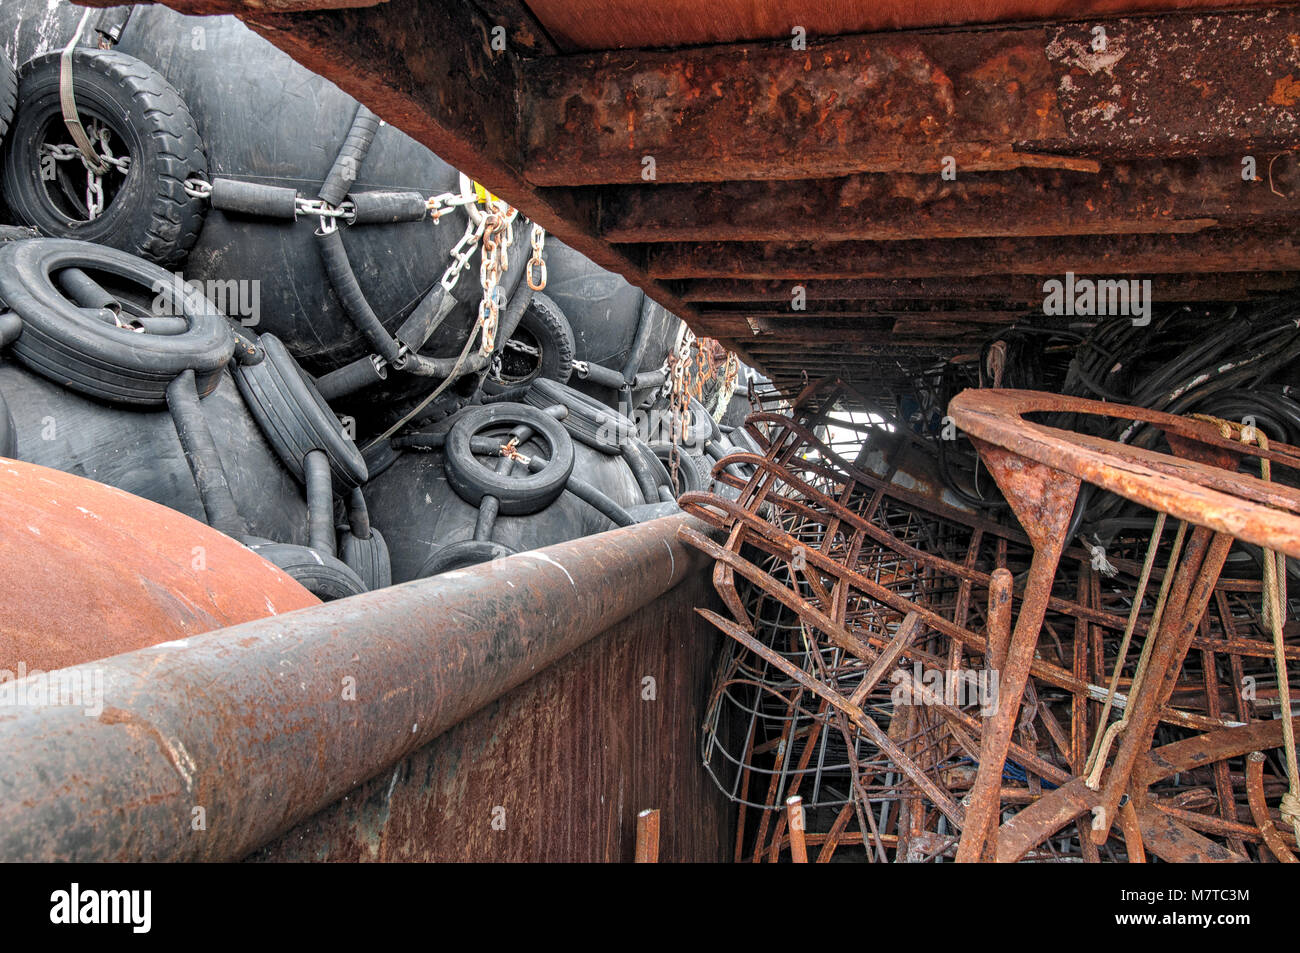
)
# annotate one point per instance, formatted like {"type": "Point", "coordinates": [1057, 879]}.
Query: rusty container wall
{"type": "Point", "coordinates": [571, 756]}
{"type": "Point", "coordinates": [518, 684]}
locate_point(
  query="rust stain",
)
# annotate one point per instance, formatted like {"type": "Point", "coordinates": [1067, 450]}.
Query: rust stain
{"type": "Point", "coordinates": [1285, 91]}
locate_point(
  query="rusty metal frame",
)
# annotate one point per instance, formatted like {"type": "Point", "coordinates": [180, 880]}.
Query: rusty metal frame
{"type": "Point", "coordinates": [805, 529]}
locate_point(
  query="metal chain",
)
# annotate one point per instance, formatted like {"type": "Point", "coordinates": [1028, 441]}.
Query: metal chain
{"type": "Point", "coordinates": [462, 252]}
{"type": "Point", "coordinates": [94, 195]}
{"type": "Point", "coordinates": [522, 348]}
{"type": "Point", "coordinates": [494, 262]}
{"type": "Point", "coordinates": [104, 160]}
{"type": "Point", "coordinates": [329, 215]}
{"type": "Point", "coordinates": [538, 239]}
{"type": "Point", "coordinates": [440, 205]}
{"type": "Point", "coordinates": [679, 400]}
{"type": "Point", "coordinates": [730, 376]}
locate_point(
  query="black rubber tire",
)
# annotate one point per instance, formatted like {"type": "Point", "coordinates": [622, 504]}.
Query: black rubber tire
{"type": "Point", "coordinates": [293, 415]}
{"type": "Point", "coordinates": [321, 575]}
{"type": "Point", "coordinates": [368, 558]}
{"type": "Point", "coordinates": [523, 492]}
{"type": "Point", "coordinates": [77, 349]}
{"type": "Point", "coordinates": [591, 422]}
{"type": "Point", "coordinates": [150, 215]}
{"type": "Point", "coordinates": [693, 471]}
{"type": "Point", "coordinates": [545, 324]}
{"type": "Point", "coordinates": [8, 93]}
{"type": "Point", "coordinates": [8, 435]}
{"type": "Point", "coordinates": [459, 555]}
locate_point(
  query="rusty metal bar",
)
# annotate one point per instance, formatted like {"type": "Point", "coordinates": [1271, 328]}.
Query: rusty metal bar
{"type": "Point", "coordinates": [647, 837]}
{"type": "Point", "coordinates": [1259, 810]}
{"type": "Point", "coordinates": [795, 822]}
{"type": "Point", "coordinates": [1037, 95]}
{"type": "Point", "coordinates": [256, 727]}
{"type": "Point", "coordinates": [1124, 198]}
{"type": "Point", "coordinates": [885, 293]}
{"type": "Point", "coordinates": [1213, 250]}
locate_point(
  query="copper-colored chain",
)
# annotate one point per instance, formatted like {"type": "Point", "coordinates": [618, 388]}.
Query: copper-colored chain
{"type": "Point", "coordinates": [497, 237]}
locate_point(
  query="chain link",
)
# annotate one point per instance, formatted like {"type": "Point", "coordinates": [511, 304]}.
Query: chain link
{"type": "Point", "coordinates": [462, 252]}
{"type": "Point", "coordinates": [679, 397]}
{"type": "Point", "coordinates": [94, 195]}
{"type": "Point", "coordinates": [104, 160]}
{"type": "Point", "coordinates": [440, 205]}
{"type": "Point", "coordinates": [493, 263]}
{"type": "Point", "coordinates": [538, 240]}
{"type": "Point", "coordinates": [730, 377]}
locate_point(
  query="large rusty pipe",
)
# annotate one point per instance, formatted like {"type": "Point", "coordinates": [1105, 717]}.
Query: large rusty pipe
{"type": "Point", "coordinates": [208, 747]}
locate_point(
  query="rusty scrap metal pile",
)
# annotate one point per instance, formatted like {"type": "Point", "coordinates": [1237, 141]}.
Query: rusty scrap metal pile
{"type": "Point", "coordinates": [929, 682]}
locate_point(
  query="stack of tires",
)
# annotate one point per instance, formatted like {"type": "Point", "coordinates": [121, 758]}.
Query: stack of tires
{"type": "Point", "coordinates": [113, 369]}
{"type": "Point", "coordinates": [242, 287]}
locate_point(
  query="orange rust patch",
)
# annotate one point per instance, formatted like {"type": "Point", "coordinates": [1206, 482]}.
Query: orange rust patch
{"type": "Point", "coordinates": [1285, 91]}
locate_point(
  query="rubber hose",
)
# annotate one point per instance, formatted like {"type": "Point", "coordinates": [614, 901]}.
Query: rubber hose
{"type": "Point", "coordinates": [162, 325]}
{"type": "Point", "coordinates": [201, 456]}
{"type": "Point", "coordinates": [604, 376]}
{"type": "Point", "coordinates": [358, 514]}
{"type": "Point", "coordinates": [384, 208]}
{"type": "Point", "coordinates": [347, 164]}
{"type": "Point", "coordinates": [86, 291]}
{"type": "Point", "coordinates": [644, 321]}
{"type": "Point", "coordinates": [488, 508]}
{"type": "Point", "coordinates": [423, 441]}
{"type": "Point", "coordinates": [344, 283]}
{"type": "Point", "coordinates": [426, 318]}
{"type": "Point", "coordinates": [320, 502]}
{"type": "Point", "coordinates": [634, 456]}
{"type": "Point", "coordinates": [255, 198]}
{"type": "Point", "coordinates": [246, 350]}
{"type": "Point", "coordinates": [351, 378]}
{"type": "Point", "coordinates": [649, 379]}
{"type": "Point", "coordinates": [10, 327]}
{"type": "Point", "coordinates": [599, 501]}
{"type": "Point", "coordinates": [506, 326]}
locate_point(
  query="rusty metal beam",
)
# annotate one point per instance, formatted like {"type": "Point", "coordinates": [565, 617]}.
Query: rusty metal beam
{"type": "Point", "coordinates": [991, 99]}
{"type": "Point", "coordinates": [1215, 250]}
{"type": "Point", "coordinates": [823, 328]}
{"type": "Point", "coordinates": [256, 725]}
{"type": "Point", "coordinates": [885, 293]}
{"type": "Point", "coordinates": [1185, 195]}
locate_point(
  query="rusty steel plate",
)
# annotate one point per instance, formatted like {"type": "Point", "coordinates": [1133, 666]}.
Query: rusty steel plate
{"type": "Point", "coordinates": [90, 571]}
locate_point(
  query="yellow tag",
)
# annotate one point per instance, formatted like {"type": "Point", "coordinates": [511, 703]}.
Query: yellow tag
{"type": "Point", "coordinates": [483, 195]}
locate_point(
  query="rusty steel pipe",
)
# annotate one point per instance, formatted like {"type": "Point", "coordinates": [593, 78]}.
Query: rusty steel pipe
{"type": "Point", "coordinates": [207, 748]}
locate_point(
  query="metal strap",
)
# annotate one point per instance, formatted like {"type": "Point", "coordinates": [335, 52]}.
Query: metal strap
{"type": "Point", "coordinates": [68, 102]}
